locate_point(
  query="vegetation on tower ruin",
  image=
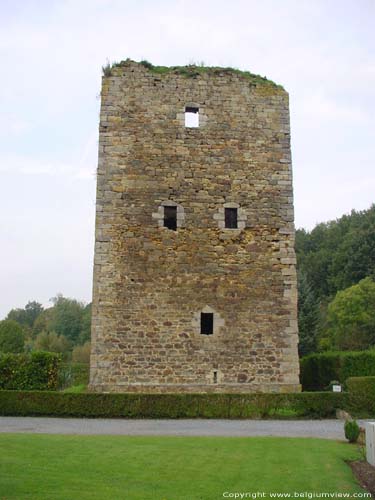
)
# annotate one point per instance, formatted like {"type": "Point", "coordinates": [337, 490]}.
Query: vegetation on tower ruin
{"type": "Point", "coordinates": [194, 70]}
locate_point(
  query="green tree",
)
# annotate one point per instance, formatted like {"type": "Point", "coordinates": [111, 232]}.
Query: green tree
{"type": "Point", "coordinates": [338, 254]}
{"type": "Point", "coordinates": [85, 333]}
{"type": "Point", "coordinates": [43, 322]}
{"type": "Point", "coordinates": [51, 342]}
{"type": "Point", "coordinates": [67, 317]}
{"type": "Point", "coordinates": [27, 316]}
{"type": "Point", "coordinates": [351, 317]}
{"type": "Point", "coordinates": [12, 338]}
{"type": "Point", "coordinates": [308, 316]}
{"type": "Point", "coordinates": [355, 256]}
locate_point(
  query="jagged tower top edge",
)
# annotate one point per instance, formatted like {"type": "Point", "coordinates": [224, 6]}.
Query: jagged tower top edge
{"type": "Point", "coordinates": [188, 71]}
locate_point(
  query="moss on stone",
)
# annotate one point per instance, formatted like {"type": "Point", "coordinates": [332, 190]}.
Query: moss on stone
{"type": "Point", "coordinates": [194, 70]}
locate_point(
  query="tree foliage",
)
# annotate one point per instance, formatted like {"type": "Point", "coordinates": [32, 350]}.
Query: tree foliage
{"type": "Point", "coordinates": [351, 317]}
{"type": "Point", "coordinates": [85, 333]}
{"type": "Point", "coordinates": [56, 329]}
{"type": "Point", "coordinates": [308, 316]}
{"type": "Point", "coordinates": [51, 342]}
{"type": "Point", "coordinates": [331, 258]}
{"type": "Point", "coordinates": [26, 316]}
{"type": "Point", "coordinates": [338, 254]}
{"type": "Point", "coordinates": [12, 338]}
{"type": "Point", "coordinates": [67, 317]}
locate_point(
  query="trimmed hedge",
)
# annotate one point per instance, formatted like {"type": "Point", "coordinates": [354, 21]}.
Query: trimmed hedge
{"type": "Point", "coordinates": [57, 404]}
{"type": "Point", "coordinates": [361, 398]}
{"type": "Point", "coordinates": [34, 371]}
{"type": "Point", "coordinates": [71, 374]}
{"type": "Point", "coordinates": [317, 370]}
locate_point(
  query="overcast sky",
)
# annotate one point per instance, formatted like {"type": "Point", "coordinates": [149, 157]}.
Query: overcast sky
{"type": "Point", "coordinates": [52, 51]}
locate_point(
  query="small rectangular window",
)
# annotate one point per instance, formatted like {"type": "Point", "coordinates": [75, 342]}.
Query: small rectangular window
{"type": "Point", "coordinates": [207, 323]}
{"type": "Point", "coordinates": [170, 218]}
{"type": "Point", "coordinates": [191, 117]}
{"type": "Point", "coordinates": [215, 377]}
{"type": "Point", "coordinates": [231, 218]}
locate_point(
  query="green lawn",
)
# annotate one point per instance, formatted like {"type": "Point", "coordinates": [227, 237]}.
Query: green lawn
{"type": "Point", "coordinates": [57, 467]}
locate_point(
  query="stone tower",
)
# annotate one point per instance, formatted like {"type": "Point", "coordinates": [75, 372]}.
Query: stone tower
{"type": "Point", "coordinates": [194, 274]}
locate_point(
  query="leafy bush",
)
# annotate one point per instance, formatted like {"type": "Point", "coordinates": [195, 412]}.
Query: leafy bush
{"type": "Point", "coordinates": [361, 397]}
{"type": "Point", "coordinates": [351, 429]}
{"type": "Point", "coordinates": [170, 405]}
{"type": "Point", "coordinates": [317, 370]}
{"type": "Point", "coordinates": [35, 371]}
{"type": "Point", "coordinates": [12, 338]}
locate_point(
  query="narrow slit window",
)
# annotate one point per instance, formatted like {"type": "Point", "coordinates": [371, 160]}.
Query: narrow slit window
{"type": "Point", "coordinates": [215, 377]}
{"type": "Point", "coordinates": [170, 218]}
{"type": "Point", "coordinates": [207, 323]}
{"type": "Point", "coordinates": [191, 117]}
{"type": "Point", "coordinates": [231, 218]}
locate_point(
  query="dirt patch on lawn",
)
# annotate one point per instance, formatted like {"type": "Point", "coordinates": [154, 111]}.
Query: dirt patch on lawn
{"type": "Point", "coordinates": [365, 474]}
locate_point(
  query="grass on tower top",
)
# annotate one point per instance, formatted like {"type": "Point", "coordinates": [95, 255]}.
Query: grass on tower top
{"type": "Point", "coordinates": [194, 70]}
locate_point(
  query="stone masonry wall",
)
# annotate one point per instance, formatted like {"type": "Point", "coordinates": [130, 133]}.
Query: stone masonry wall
{"type": "Point", "coordinates": [151, 283]}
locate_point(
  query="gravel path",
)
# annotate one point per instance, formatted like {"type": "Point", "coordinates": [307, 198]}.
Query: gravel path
{"type": "Point", "coordinates": [327, 429]}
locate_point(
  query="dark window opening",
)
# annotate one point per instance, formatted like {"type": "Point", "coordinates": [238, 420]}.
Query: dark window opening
{"type": "Point", "coordinates": [191, 109]}
{"type": "Point", "coordinates": [231, 218]}
{"type": "Point", "coordinates": [191, 117]}
{"type": "Point", "coordinates": [215, 377]}
{"type": "Point", "coordinates": [207, 323]}
{"type": "Point", "coordinates": [170, 218]}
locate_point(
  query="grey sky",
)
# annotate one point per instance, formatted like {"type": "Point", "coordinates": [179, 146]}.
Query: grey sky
{"type": "Point", "coordinates": [322, 51]}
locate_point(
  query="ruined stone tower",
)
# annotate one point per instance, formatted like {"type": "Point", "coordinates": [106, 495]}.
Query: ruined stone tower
{"type": "Point", "coordinates": [194, 274]}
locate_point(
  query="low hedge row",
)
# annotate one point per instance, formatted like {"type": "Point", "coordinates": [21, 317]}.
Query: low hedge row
{"type": "Point", "coordinates": [57, 404]}
{"type": "Point", "coordinates": [361, 396]}
{"type": "Point", "coordinates": [35, 371]}
{"type": "Point", "coordinates": [318, 370]}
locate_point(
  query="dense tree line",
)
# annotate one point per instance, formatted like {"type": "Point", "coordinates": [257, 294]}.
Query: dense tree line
{"type": "Point", "coordinates": [64, 328]}
{"type": "Point", "coordinates": [336, 271]}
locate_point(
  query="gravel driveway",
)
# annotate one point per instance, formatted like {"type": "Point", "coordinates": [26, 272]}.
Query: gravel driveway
{"type": "Point", "coordinates": [327, 429]}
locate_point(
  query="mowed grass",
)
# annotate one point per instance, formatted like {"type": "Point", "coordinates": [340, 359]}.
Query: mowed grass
{"type": "Point", "coordinates": [57, 467]}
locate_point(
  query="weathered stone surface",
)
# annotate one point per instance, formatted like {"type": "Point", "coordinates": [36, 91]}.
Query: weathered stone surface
{"type": "Point", "coordinates": [152, 283]}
